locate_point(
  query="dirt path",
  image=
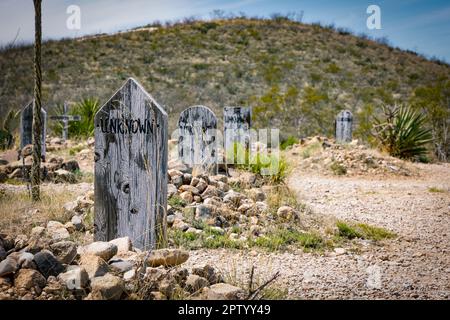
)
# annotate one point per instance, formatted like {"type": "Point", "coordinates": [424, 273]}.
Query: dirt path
{"type": "Point", "coordinates": [415, 265]}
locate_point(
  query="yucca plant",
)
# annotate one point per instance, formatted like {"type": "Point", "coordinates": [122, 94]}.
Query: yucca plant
{"type": "Point", "coordinates": [7, 129]}
{"type": "Point", "coordinates": [87, 109]}
{"type": "Point", "coordinates": [402, 133]}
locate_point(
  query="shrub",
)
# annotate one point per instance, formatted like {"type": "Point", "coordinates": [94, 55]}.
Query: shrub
{"type": "Point", "coordinates": [402, 133]}
{"type": "Point", "coordinates": [288, 142]}
{"type": "Point", "coordinates": [338, 169]}
{"type": "Point", "coordinates": [87, 109]}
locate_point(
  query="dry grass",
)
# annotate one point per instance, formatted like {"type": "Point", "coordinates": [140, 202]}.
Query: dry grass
{"type": "Point", "coordinates": [18, 215]}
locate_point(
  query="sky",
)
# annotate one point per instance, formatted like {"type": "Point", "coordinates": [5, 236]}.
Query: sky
{"type": "Point", "coordinates": [418, 25]}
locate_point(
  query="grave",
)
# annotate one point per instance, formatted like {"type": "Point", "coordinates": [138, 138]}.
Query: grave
{"type": "Point", "coordinates": [26, 127]}
{"type": "Point", "coordinates": [343, 126]}
{"type": "Point", "coordinates": [236, 123]}
{"type": "Point", "coordinates": [131, 137]}
{"type": "Point", "coordinates": [197, 139]}
{"type": "Point", "coordinates": [65, 118]}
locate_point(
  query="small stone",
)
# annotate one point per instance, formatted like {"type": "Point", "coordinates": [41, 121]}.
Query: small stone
{"type": "Point", "coordinates": [37, 231]}
{"type": "Point", "coordinates": [223, 291]}
{"type": "Point", "coordinates": [257, 194]}
{"type": "Point", "coordinates": [339, 251]}
{"type": "Point", "coordinates": [47, 264]}
{"type": "Point", "coordinates": [245, 207]}
{"type": "Point", "coordinates": [129, 275]}
{"type": "Point", "coordinates": [187, 178]}
{"type": "Point", "coordinates": [177, 181]}
{"type": "Point", "coordinates": [180, 225]}
{"type": "Point", "coordinates": [104, 250]}
{"type": "Point", "coordinates": [70, 207]}
{"type": "Point", "coordinates": [94, 265]}
{"type": "Point", "coordinates": [57, 231]}
{"type": "Point", "coordinates": [74, 278]}
{"type": "Point", "coordinates": [20, 242]}
{"type": "Point", "coordinates": [25, 260]}
{"type": "Point", "coordinates": [167, 257]}
{"type": "Point", "coordinates": [121, 265]}
{"type": "Point", "coordinates": [123, 244]}
{"type": "Point", "coordinates": [29, 278]}
{"type": "Point", "coordinates": [212, 191]}
{"type": "Point", "coordinates": [171, 190]}
{"type": "Point", "coordinates": [108, 287]}
{"type": "Point", "coordinates": [195, 283]}
{"type": "Point", "coordinates": [204, 211]}
{"type": "Point", "coordinates": [286, 213]}
{"type": "Point", "coordinates": [65, 251]}
{"type": "Point", "coordinates": [77, 222]}
{"type": "Point", "coordinates": [167, 287]}
{"type": "Point", "coordinates": [8, 266]}
{"type": "Point", "coordinates": [187, 196]}
{"type": "Point", "coordinates": [64, 176]}
{"type": "Point", "coordinates": [201, 185]}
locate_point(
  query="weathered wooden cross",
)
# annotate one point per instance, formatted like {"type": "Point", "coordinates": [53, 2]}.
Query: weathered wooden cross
{"type": "Point", "coordinates": [65, 118]}
{"type": "Point", "coordinates": [131, 150]}
{"type": "Point", "coordinates": [26, 127]}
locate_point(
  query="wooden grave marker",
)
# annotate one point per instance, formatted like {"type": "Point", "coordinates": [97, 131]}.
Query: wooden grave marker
{"type": "Point", "coordinates": [197, 143]}
{"type": "Point", "coordinates": [131, 150]}
{"type": "Point", "coordinates": [236, 123]}
{"type": "Point", "coordinates": [343, 126]}
{"type": "Point", "coordinates": [26, 127]}
{"type": "Point", "coordinates": [65, 118]}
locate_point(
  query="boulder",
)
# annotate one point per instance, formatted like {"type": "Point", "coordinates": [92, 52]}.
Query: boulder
{"type": "Point", "coordinates": [212, 191]}
{"type": "Point", "coordinates": [29, 278]}
{"type": "Point", "coordinates": [47, 264]}
{"type": "Point", "coordinates": [37, 232]}
{"type": "Point", "coordinates": [209, 273]}
{"type": "Point", "coordinates": [104, 250]}
{"type": "Point", "coordinates": [57, 231]}
{"type": "Point", "coordinates": [190, 189]}
{"type": "Point", "coordinates": [121, 265]}
{"type": "Point", "coordinates": [187, 196]}
{"type": "Point", "coordinates": [65, 251]}
{"type": "Point", "coordinates": [167, 257]}
{"type": "Point", "coordinates": [74, 278]}
{"type": "Point", "coordinates": [62, 176]}
{"type": "Point", "coordinates": [77, 222]}
{"type": "Point", "coordinates": [204, 212]}
{"type": "Point", "coordinates": [108, 287]}
{"type": "Point", "coordinates": [171, 190]}
{"type": "Point", "coordinates": [25, 260]}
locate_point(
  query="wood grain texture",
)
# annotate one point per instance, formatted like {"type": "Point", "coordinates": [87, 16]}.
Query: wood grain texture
{"type": "Point", "coordinates": [131, 132]}
{"type": "Point", "coordinates": [236, 124]}
{"type": "Point", "coordinates": [26, 127]}
{"type": "Point", "coordinates": [197, 143]}
{"type": "Point", "coordinates": [344, 126]}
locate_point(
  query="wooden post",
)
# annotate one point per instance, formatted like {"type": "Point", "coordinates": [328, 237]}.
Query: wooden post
{"type": "Point", "coordinates": [131, 150]}
{"type": "Point", "coordinates": [26, 128]}
{"type": "Point", "coordinates": [197, 144]}
{"type": "Point", "coordinates": [236, 123]}
{"type": "Point", "coordinates": [343, 124]}
{"type": "Point", "coordinates": [65, 118]}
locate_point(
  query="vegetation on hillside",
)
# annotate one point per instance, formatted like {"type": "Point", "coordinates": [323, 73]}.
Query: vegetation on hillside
{"type": "Point", "coordinates": [296, 76]}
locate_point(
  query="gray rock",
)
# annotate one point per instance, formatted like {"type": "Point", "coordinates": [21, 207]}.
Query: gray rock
{"type": "Point", "coordinates": [25, 260]}
{"type": "Point", "coordinates": [47, 264]}
{"type": "Point", "coordinates": [171, 190]}
{"type": "Point", "coordinates": [74, 278]}
{"type": "Point", "coordinates": [123, 244]}
{"type": "Point", "coordinates": [204, 212]}
{"type": "Point", "coordinates": [8, 266]}
{"type": "Point", "coordinates": [222, 291]}
{"type": "Point", "coordinates": [65, 251]}
{"type": "Point", "coordinates": [121, 265]}
{"type": "Point", "coordinates": [104, 250]}
{"type": "Point", "coordinates": [77, 222]}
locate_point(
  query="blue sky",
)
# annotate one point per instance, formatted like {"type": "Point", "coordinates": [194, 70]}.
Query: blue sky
{"type": "Point", "coordinates": [420, 25]}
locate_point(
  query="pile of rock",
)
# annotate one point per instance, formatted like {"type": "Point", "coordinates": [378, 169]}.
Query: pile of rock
{"type": "Point", "coordinates": [210, 200]}
{"type": "Point", "coordinates": [55, 169]}
{"type": "Point", "coordinates": [101, 271]}
{"type": "Point", "coordinates": [328, 157]}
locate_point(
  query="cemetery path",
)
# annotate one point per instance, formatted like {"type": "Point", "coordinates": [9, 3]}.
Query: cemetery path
{"type": "Point", "coordinates": [414, 265]}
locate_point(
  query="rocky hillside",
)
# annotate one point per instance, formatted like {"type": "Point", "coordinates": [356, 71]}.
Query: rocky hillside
{"type": "Point", "coordinates": [277, 66]}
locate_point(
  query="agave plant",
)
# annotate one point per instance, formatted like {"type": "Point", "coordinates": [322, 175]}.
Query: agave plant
{"type": "Point", "coordinates": [402, 133]}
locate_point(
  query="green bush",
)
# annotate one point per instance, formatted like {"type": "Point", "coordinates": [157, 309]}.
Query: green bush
{"type": "Point", "coordinates": [402, 133]}
{"type": "Point", "coordinates": [87, 109]}
{"type": "Point", "coordinates": [288, 142]}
